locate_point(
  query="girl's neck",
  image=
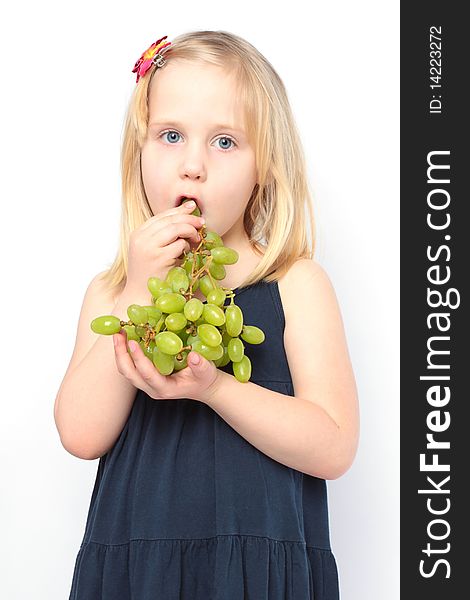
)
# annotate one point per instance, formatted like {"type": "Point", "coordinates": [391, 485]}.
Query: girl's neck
{"type": "Point", "coordinates": [248, 259]}
{"type": "Point", "coordinates": [239, 243]}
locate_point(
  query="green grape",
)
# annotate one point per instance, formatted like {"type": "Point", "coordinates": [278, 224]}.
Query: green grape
{"type": "Point", "coordinates": [137, 314]}
{"type": "Point", "coordinates": [213, 314]}
{"type": "Point", "coordinates": [193, 309]}
{"type": "Point", "coordinates": [195, 282]}
{"type": "Point", "coordinates": [152, 321]}
{"type": "Point", "coordinates": [200, 321]}
{"type": "Point", "coordinates": [204, 267]}
{"type": "Point", "coordinates": [213, 353]}
{"type": "Point", "coordinates": [171, 302]}
{"type": "Point", "coordinates": [236, 349]}
{"type": "Point", "coordinates": [166, 290]}
{"type": "Point", "coordinates": [209, 334]}
{"type": "Point", "coordinates": [233, 320]}
{"type": "Point", "coordinates": [181, 364]}
{"type": "Point", "coordinates": [199, 261]}
{"type": "Point", "coordinates": [143, 347]}
{"type": "Point", "coordinates": [183, 335]}
{"type": "Point", "coordinates": [216, 296]}
{"type": "Point", "coordinates": [175, 321]}
{"type": "Point", "coordinates": [188, 263]}
{"type": "Point", "coordinates": [242, 369]}
{"type": "Point", "coordinates": [168, 342]}
{"type": "Point", "coordinates": [209, 352]}
{"type": "Point", "coordinates": [191, 339]}
{"type": "Point", "coordinates": [177, 279]}
{"type": "Point", "coordinates": [130, 333]}
{"type": "Point", "coordinates": [148, 350]}
{"type": "Point", "coordinates": [140, 331]}
{"type": "Point", "coordinates": [163, 362]}
{"type": "Point", "coordinates": [172, 273]}
{"type": "Point", "coordinates": [224, 360]}
{"type": "Point", "coordinates": [155, 286]}
{"type": "Point", "coordinates": [213, 239]}
{"type": "Point", "coordinates": [224, 255]}
{"type": "Point", "coordinates": [106, 325]}
{"type": "Point", "coordinates": [217, 271]}
{"type": "Point", "coordinates": [252, 334]}
{"type": "Point", "coordinates": [160, 323]}
{"type": "Point", "coordinates": [226, 338]}
{"type": "Point", "coordinates": [205, 285]}
{"type": "Point", "coordinates": [153, 311]}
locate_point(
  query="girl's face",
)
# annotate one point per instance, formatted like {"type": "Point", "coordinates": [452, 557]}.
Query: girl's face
{"type": "Point", "coordinates": [196, 146]}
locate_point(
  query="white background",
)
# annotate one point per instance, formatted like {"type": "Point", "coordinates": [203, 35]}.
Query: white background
{"type": "Point", "coordinates": [66, 79]}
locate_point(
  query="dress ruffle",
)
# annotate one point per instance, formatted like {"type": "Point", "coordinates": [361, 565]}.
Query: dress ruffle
{"type": "Point", "coordinates": [230, 567]}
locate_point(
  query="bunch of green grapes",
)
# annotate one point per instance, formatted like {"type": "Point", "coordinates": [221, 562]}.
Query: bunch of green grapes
{"type": "Point", "coordinates": [175, 322]}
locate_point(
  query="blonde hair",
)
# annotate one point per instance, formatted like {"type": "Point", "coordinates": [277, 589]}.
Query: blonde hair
{"type": "Point", "coordinates": [275, 219]}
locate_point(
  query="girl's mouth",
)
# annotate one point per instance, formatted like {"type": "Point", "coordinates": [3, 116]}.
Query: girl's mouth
{"type": "Point", "coordinates": [180, 199]}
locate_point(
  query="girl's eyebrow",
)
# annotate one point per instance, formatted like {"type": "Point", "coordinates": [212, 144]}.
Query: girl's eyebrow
{"type": "Point", "coordinates": [169, 122]}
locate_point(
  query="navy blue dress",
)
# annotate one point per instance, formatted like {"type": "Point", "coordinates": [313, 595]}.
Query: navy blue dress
{"type": "Point", "coordinates": [184, 508]}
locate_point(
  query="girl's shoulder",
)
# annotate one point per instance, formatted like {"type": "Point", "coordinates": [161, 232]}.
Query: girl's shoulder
{"type": "Point", "coordinates": [109, 293]}
{"type": "Point", "coordinates": [304, 267]}
{"type": "Point", "coordinates": [305, 280]}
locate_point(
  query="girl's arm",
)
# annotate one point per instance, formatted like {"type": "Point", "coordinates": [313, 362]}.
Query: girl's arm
{"type": "Point", "coordinates": [317, 430]}
{"type": "Point", "coordinates": [94, 399]}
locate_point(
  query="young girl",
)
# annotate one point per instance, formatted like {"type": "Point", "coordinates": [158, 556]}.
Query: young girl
{"type": "Point", "coordinates": [208, 488]}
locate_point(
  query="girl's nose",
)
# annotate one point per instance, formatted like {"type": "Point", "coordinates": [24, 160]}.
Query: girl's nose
{"type": "Point", "coordinates": [193, 163]}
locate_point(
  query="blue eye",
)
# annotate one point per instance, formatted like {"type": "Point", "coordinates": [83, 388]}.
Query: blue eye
{"type": "Point", "coordinates": [170, 132]}
{"type": "Point", "coordinates": [229, 140]}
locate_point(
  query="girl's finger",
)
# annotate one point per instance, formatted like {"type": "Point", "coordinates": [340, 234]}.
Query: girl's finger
{"type": "Point", "coordinates": [158, 222]}
{"type": "Point", "coordinates": [126, 365]}
{"type": "Point", "coordinates": [124, 362]}
{"type": "Point", "coordinates": [172, 232]}
{"type": "Point", "coordinates": [182, 210]}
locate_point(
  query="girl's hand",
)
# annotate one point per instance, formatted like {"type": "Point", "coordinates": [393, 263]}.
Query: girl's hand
{"type": "Point", "coordinates": [197, 381]}
{"type": "Point", "coordinates": [157, 243]}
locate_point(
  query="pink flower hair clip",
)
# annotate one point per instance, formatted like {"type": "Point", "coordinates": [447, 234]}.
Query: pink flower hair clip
{"type": "Point", "coordinates": [152, 56]}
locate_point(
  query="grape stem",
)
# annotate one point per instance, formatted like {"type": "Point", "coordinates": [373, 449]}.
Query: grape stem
{"type": "Point", "coordinates": [209, 260]}
{"type": "Point", "coordinates": [195, 272]}
{"type": "Point", "coordinates": [190, 294]}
